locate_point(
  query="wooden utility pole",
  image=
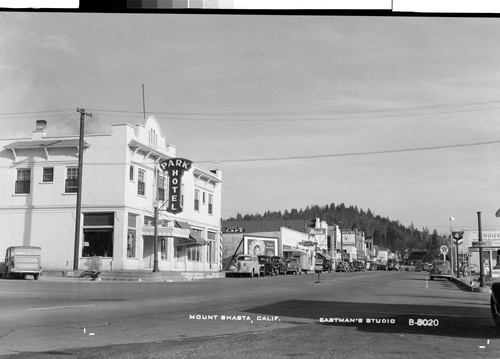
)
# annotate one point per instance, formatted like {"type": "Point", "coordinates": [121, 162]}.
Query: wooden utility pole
{"type": "Point", "coordinates": [76, 254]}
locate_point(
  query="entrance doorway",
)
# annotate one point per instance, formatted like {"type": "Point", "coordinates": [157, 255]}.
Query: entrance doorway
{"type": "Point", "coordinates": [148, 252]}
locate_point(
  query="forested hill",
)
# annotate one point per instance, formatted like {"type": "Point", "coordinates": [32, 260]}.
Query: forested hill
{"type": "Point", "coordinates": [385, 232]}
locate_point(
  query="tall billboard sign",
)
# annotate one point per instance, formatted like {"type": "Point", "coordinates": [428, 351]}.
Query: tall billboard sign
{"type": "Point", "coordinates": [175, 168]}
{"type": "Point", "coordinates": [260, 245]}
{"type": "Point", "coordinates": [348, 237]}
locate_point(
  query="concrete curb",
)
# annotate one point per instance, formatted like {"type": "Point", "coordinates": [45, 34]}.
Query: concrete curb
{"type": "Point", "coordinates": [470, 287]}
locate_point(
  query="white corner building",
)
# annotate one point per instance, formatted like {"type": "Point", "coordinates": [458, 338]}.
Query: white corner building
{"type": "Point", "coordinates": [121, 183]}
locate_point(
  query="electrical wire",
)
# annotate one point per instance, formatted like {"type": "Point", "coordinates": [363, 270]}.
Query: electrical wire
{"type": "Point", "coordinates": [346, 154]}
{"type": "Point", "coordinates": [240, 116]}
{"type": "Point", "coordinates": [349, 154]}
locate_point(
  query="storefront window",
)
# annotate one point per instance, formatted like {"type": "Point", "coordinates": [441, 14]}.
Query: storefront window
{"type": "Point", "coordinates": [211, 247]}
{"type": "Point", "coordinates": [194, 253]}
{"type": "Point", "coordinates": [163, 248]}
{"type": "Point", "coordinates": [98, 234]}
{"type": "Point", "coordinates": [131, 235]}
{"type": "Point", "coordinates": [178, 252]}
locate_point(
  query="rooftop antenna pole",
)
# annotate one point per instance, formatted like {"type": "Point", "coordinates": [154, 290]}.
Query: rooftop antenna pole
{"type": "Point", "coordinates": [143, 103]}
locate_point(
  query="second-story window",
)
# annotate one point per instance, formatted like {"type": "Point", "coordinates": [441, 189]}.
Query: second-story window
{"type": "Point", "coordinates": [131, 173]}
{"type": "Point", "coordinates": [23, 181]}
{"type": "Point", "coordinates": [210, 203]}
{"type": "Point", "coordinates": [48, 174]}
{"type": "Point", "coordinates": [161, 188]}
{"type": "Point", "coordinates": [71, 180]}
{"type": "Point", "coordinates": [141, 182]}
{"type": "Point", "coordinates": [196, 200]}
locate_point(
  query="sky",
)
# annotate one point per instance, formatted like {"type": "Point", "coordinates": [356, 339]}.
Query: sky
{"type": "Point", "coordinates": [394, 114]}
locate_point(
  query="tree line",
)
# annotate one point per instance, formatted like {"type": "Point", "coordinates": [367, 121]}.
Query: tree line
{"type": "Point", "coordinates": [386, 233]}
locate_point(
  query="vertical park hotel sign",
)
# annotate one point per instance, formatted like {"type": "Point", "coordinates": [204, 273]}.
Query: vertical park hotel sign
{"type": "Point", "coordinates": [175, 168]}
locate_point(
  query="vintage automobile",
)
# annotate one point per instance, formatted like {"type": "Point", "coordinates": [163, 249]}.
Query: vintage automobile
{"type": "Point", "coordinates": [440, 269]}
{"type": "Point", "coordinates": [495, 302]}
{"type": "Point", "coordinates": [246, 264]}
{"type": "Point", "coordinates": [381, 267]}
{"type": "Point", "coordinates": [343, 267]}
{"type": "Point", "coordinates": [293, 266]}
{"type": "Point", "coordinates": [279, 264]}
{"type": "Point", "coordinates": [266, 266]}
{"type": "Point", "coordinates": [22, 261]}
{"type": "Point", "coordinates": [358, 266]}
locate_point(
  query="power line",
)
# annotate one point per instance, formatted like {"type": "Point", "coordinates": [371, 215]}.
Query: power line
{"type": "Point", "coordinates": [255, 115]}
{"type": "Point", "coordinates": [283, 158]}
{"type": "Point", "coordinates": [348, 154]}
{"type": "Point", "coordinates": [302, 113]}
{"type": "Point", "coordinates": [34, 112]}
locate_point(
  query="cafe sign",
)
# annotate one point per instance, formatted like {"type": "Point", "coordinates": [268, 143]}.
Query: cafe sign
{"type": "Point", "coordinates": [175, 168]}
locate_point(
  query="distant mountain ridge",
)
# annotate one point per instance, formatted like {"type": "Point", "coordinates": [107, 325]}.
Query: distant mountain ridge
{"type": "Point", "coordinates": [385, 232]}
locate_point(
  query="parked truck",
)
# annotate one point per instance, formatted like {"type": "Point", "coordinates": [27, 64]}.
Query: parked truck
{"type": "Point", "coordinates": [21, 261]}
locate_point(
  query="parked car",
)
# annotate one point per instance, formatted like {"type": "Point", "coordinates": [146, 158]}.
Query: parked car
{"type": "Point", "coordinates": [381, 267]}
{"type": "Point", "coordinates": [279, 264]}
{"type": "Point", "coordinates": [247, 264]}
{"type": "Point", "coordinates": [495, 302]}
{"type": "Point", "coordinates": [293, 266]}
{"type": "Point", "coordinates": [342, 267]}
{"type": "Point", "coordinates": [469, 268]}
{"type": "Point", "coordinates": [266, 266]}
{"type": "Point", "coordinates": [21, 261]}
{"type": "Point", "coordinates": [358, 266]}
{"type": "Point", "coordinates": [440, 269]}
{"type": "Point", "coordinates": [426, 267]}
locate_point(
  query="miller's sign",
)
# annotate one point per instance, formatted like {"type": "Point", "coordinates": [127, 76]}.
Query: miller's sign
{"type": "Point", "coordinates": [175, 167]}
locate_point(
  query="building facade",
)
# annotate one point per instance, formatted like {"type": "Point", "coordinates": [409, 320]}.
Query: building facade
{"type": "Point", "coordinates": [122, 183]}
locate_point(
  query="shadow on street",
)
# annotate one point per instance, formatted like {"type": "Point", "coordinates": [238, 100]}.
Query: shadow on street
{"type": "Point", "coordinates": [452, 321]}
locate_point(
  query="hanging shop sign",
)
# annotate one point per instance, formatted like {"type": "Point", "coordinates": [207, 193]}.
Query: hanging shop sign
{"type": "Point", "coordinates": [175, 168]}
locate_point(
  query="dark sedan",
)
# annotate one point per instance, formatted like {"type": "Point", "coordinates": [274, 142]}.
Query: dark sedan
{"type": "Point", "coordinates": [266, 266]}
{"type": "Point", "coordinates": [279, 263]}
{"type": "Point", "coordinates": [440, 269]}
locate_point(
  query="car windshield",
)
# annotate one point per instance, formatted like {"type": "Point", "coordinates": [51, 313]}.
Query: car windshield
{"type": "Point", "coordinates": [245, 258]}
{"type": "Point", "coordinates": [264, 259]}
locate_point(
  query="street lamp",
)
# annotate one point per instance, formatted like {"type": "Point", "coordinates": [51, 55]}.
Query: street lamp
{"type": "Point", "coordinates": [155, 240]}
{"type": "Point", "coordinates": [156, 208]}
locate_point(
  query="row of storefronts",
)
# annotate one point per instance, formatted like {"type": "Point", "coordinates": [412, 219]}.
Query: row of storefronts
{"type": "Point", "coordinates": [129, 197]}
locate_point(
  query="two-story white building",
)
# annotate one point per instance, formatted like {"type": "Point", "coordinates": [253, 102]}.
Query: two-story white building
{"type": "Point", "coordinates": [121, 183]}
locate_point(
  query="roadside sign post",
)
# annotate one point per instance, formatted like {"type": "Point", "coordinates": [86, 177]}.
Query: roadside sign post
{"type": "Point", "coordinates": [457, 236]}
{"type": "Point", "coordinates": [444, 251]}
{"type": "Point", "coordinates": [481, 264]}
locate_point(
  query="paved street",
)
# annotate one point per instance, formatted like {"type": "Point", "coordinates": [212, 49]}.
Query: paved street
{"type": "Point", "coordinates": [346, 315]}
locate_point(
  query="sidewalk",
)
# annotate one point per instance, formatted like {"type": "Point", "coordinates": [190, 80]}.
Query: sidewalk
{"type": "Point", "coordinates": [128, 275]}
{"type": "Point", "coordinates": [471, 283]}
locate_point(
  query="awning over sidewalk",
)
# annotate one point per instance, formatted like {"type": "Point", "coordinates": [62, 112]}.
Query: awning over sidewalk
{"type": "Point", "coordinates": [194, 238]}
{"type": "Point", "coordinates": [294, 251]}
{"type": "Point", "coordinates": [326, 256]}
